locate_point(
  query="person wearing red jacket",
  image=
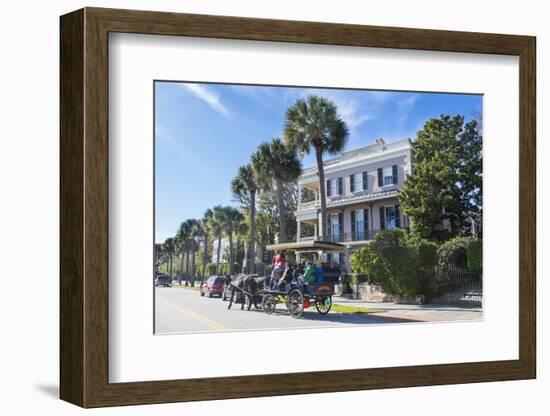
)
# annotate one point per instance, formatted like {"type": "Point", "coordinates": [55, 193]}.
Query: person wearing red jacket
{"type": "Point", "coordinates": [279, 260]}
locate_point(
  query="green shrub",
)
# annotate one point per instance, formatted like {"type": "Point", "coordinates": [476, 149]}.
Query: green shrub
{"type": "Point", "coordinates": [454, 252]}
{"type": "Point", "coordinates": [210, 269]}
{"type": "Point", "coordinates": [394, 260]}
{"type": "Point", "coordinates": [427, 253]}
{"type": "Point", "coordinates": [401, 263]}
{"type": "Point", "coordinates": [474, 254]}
{"type": "Point", "coordinates": [349, 280]}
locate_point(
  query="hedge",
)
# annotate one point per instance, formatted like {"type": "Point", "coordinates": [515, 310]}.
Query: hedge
{"type": "Point", "coordinates": [395, 261]}
{"type": "Point", "coordinates": [475, 255]}
{"type": "Point", "coordinates": [454, 252]}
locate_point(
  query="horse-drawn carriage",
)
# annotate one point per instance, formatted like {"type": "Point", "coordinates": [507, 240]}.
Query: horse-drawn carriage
{"type": "Point", "coordinates": [296, 293]}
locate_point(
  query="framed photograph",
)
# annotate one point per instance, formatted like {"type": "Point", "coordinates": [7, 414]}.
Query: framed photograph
{"type": "Point", "coordinates": [255, 207]}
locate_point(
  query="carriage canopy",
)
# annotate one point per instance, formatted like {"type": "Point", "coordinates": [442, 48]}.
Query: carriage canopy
{"type": "Point", "coordinates": [307, 246]}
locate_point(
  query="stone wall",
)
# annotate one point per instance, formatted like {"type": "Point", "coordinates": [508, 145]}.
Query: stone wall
{"type": "Point", "coordinates": [365, 291]}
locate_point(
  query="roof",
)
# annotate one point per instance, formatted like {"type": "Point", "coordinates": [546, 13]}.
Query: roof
{"type": "Point", "coordinates": [311, 245]}
{"type": "Point", "coordinates": [369, 153]}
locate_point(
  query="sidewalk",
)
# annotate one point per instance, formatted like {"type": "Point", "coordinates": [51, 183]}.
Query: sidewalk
{"type": "Point", "coordinates": [425, 313]}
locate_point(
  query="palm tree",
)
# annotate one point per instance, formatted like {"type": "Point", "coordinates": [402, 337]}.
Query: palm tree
{"type": "Point", "coordinates": [276, 164]}
{"type": "Point", "coordinates": [217, 223]}
{"type": "Point", "coordinates": [205, 225]}
{"type": "Point", "coordinates": [194, 231]}
{"type": "Point", "coordinates": [168, 248]}
{"type": "Point", "coordinates": [232, 221]}
{"type": "Point", "coordinates": [182, 246]}
{"type": "Point", "coordinates": [158, 256]}
{"type": "Point", "coordinates": [314, 124]}
{"type": "Point", "coordinates": [245, 184]}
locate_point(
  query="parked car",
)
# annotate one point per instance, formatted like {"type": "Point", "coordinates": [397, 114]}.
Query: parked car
{"type": "Point", "coordinates": [163, 280]}
{"type": "Point", "coordinates": [212, 286]}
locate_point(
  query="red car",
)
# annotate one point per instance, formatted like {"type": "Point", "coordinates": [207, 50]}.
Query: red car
{"type": "Point", "coordinates": [212, 286]}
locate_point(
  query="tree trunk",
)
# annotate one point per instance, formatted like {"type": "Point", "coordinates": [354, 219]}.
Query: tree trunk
{"type": "Point", "coordinates": [187, 268]}
{"type": "Point", "coordinates": [280, 208]}
{"type": "Point", "coordinates": [252, 230]}
{"type": "Point", "coordinates": [181, 268]}
{"type": "Point", "coordinates": [231, 253]}
{"type": "Point", "coordinates": [170, 264]}
{"type": "Point", "coordinates": [322, 191]}
{"type": "Point", "coordinates": [218, 253]}
{"type": "Point", "coordinates": [193, 270]}
{"type": "Point", "coordinates": [205, 255]}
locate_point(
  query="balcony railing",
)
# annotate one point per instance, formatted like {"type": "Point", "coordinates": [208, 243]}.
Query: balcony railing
{"type": "Point", "coordinates": [343, 200]}
{"type": "Point", "coordinates": [345, 237]}
{"type": "Point", "coordinates": [310, 204]}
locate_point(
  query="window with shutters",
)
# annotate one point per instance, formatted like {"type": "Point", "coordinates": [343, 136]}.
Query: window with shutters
{"type": "Point", "coordinates": [391, 217]}
{"type": "Point", "coordinates": [358, 182]}
{"type": "Point", "coordinates": [335, 187]}
{"type": "Point", "coordinates": [387, 173]}
{"type": "Point", "coordinates": [335, 227]}
{"type": "Point", "coordinates": [360, 224]}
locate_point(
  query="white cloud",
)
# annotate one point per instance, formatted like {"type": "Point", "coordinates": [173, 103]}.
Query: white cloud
{"type": "Point", "coordinates": [210, 98]}
{"type": "Point", "coordinates": [356, 108]}
{"type": "Point", "coordinates": [406, 104]}
{"type": "Point", "coordinates": [350, 110]}
{"type": "Point", "coordinates": [404, 107]}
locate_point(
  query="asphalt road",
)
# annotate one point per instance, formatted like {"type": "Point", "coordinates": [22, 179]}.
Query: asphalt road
{"type": "Point", "coordinates": [180, 310]}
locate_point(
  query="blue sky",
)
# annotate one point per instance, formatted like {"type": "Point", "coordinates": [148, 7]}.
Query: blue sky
{"type": "Point", "coordinates": [204, 132]}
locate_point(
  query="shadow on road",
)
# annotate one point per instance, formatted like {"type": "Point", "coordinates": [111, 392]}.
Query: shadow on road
{"type": "Point", "coordinates": [356, 318]}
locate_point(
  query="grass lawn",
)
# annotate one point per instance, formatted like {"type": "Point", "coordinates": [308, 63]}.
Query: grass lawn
{"type": "Point", "coordinates": [351, 309]}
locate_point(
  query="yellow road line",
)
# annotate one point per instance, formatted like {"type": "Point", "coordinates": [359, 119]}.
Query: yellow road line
{"type": "Point", "coordinates": [196, 316]}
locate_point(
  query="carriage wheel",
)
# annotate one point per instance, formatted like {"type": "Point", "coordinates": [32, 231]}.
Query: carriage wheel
{"type": "Point", "coordinates": [269, 303]}
{"type": "Point", "coordinates": [295, 303]}
{"type": "Point", "coordinates": [323, 304]}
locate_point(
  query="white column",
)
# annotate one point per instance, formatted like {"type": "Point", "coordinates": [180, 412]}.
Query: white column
{"type": "Point", "coordinates": [299, 199]}
{"type": "Point", "coordinates": [298, 229]}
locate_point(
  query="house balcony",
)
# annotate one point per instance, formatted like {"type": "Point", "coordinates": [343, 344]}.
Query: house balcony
{"type": "Point", "coordinates": [351, 237]}
{"type": "Point", "coordinates": [311, 207]}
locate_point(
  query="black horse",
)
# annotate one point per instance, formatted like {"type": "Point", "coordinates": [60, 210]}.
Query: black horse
{"type": "Point", "coordinates": [246, 288]}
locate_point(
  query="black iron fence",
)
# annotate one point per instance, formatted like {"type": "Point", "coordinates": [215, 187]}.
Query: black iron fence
{"type": "Point", "coordinates": [457, 286]}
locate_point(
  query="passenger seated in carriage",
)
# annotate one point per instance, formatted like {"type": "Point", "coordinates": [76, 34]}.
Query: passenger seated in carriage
{"type": "Point", "coordinates": [279, 264]}
{"type": "Point", "coordinates": [286, 277]}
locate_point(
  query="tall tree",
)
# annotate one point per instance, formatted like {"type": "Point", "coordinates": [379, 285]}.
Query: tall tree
{"type": "Point", "coordinates": [181, 245]}
{"type": "Point", "coordinates": [159, 254]}
{"type": "Point", "coordinates": [194, 233]}
{"type": "Point", "coordinates": [217, 224]}
{"type": "Point", "coordinates": [446, 180]}
{"type": "Point", "coordinates": [245, 184]}
{"type": "Point", "coordinates": [232, 221]}
{"type": "Point", "coordinates": [276, 165]}
{"type": "Point", "coordinates": [314, 124]}
{"type": "Point", "coordinates": [205, 224]}
{"type": "Point", "coordinates": [267, 215]}
{"type": "Point", "coordinates": [168, 248]}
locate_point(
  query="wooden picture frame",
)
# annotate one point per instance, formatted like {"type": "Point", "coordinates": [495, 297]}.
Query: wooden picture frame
{"type": "Point", "coordinates": [84, 207]}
